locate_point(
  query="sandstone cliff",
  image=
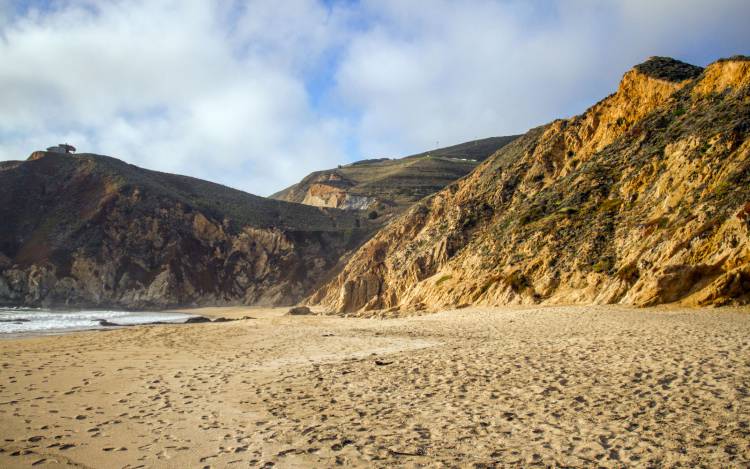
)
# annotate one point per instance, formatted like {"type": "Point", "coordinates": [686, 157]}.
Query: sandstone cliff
{"type": "Point", "coordinates": [92, 231]}
{"type": "Point", "coordinates": [644, 199]}
{"type": "Point", "coordinates": [388, 186]}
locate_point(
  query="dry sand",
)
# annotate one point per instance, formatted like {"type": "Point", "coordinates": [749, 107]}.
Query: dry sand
{"type": "Point", "coordinates": [568, 386]}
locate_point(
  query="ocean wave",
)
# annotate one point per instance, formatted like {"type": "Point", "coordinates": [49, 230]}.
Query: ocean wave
{"type": "Point", "coordinates": [25, 320]}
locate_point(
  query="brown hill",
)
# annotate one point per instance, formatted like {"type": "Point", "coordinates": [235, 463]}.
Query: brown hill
{"type": "Point", "coordinates": [388, 186]}
{"type": "Point", "coordinates": [89, 230]}
{"type": "Point", "coordinates": [643, 199]}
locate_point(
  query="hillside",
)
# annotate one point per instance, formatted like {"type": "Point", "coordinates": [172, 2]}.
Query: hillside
{"type": "Point", "coordinates": [388, 186]}
{"type": "Point", "coordinates": [90, 230]}
{"type": "Point", "coordinates": [644, 199]}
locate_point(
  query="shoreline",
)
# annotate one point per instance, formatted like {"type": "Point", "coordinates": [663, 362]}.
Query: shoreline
{"type": "Point", "coordinates": [236, 313]}
{"type": "Point", "coordinates": [46, 322]}
{"type": "Point", "coordinates": [212, 313]}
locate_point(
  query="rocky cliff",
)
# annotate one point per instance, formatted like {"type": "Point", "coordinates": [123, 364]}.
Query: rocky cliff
{"type": "Point", "coordinates": [644, 199]}
{"type": "Point", "coordinates": [92, 231]}
{"type": "Point", "coordinates": [388, 186]}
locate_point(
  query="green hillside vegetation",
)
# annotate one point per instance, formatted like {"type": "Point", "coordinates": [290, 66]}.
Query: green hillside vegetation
{"type": "Point", "coordinates": [398, 183]}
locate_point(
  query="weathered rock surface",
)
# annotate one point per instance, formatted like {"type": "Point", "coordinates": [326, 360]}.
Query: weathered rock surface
{"type": "Point", "coordinates": [299, 311]}
{"type": "Point", "coordinates": [333, 193]}
{"type": "Point", "coordinates": [644, 199]}
{"type": "Point", "coordinates": [91, 231]}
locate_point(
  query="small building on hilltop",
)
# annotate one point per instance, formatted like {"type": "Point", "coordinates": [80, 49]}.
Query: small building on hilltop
{"type": "Point", "coordinates": [62, 148]}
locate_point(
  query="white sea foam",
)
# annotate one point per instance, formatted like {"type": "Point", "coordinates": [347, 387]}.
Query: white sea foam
{"type": "Point", "coordinates": [22, 320]}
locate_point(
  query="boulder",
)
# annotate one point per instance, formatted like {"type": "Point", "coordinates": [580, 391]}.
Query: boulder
{"type": "Point", "coordinates": [197, 320]}
{"type": "Point", "coordinates": [105, 323]}
{"type": "Point", "coordinates": [299, 311]}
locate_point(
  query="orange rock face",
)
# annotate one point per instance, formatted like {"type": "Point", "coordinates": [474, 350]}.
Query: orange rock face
{"type": "Point", "coordinates": [640, 200]}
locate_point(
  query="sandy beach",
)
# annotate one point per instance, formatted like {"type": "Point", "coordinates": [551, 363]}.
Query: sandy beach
{"type": "Point", "coordinates": [557, 386]}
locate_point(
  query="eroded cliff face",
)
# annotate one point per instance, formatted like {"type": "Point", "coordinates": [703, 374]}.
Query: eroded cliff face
{"type": "Point", "coordinates": [91, 231]}
{"type": "Point", "coordinates": [644, 199]}
{"type": "Point", "coordinates": [328, 195]}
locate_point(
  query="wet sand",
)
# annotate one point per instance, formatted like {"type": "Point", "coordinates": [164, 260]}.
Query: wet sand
{"type": "Point", "coordinates": [557, 386]}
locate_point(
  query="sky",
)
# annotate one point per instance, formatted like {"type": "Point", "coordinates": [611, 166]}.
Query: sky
{"type": "Point", "coordinates": [256, 94]}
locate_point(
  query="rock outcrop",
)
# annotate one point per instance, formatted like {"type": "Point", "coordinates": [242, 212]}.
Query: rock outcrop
{"type": "Point", "coordinates": [92, 231]}
{"type": "Point", "coordinates": [334, 194]}
{"type": "Point", "coordinates": [644, 199]}
{"type": "Point", "coordinates": [299, 311]}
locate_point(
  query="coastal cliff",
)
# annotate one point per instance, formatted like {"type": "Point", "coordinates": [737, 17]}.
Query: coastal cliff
{"type": "Point", "coordinates": [92, 231]}
{"type": "Point", "coordinates": [643, 199]}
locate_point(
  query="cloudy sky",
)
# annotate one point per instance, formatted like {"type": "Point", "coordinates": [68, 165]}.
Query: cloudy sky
{"type": "Point", "coordinates": [256, 94]}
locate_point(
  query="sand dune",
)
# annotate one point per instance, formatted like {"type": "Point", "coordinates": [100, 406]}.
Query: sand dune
{"type": "Point", "coordinates": [567, 386]}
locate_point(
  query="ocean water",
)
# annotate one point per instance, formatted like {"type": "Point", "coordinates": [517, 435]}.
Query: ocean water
{"type": "Point", "coordinates": [40, 321]}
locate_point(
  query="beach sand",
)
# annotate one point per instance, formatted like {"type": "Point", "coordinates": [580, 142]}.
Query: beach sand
{"type": "Point", "coordinates": [562, 386]}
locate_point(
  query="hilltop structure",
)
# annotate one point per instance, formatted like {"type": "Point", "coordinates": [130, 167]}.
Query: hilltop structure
{"type": "Point", "coordinates": [62, 148]}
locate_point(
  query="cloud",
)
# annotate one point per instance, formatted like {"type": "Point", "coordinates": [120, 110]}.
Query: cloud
{"type": "Point", "coordinates": [164, 85]}
{"type": "Point", "coordinates": [454, 71]}
{"type": "Point", "coordinates": [256, 96]}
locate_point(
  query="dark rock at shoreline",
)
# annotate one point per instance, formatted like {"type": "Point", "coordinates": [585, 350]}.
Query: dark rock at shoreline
{"type": "Point", "coordinates": [197, 320]}
{"type": "Point", "coordinates": [105, 323]}
{"type": "Point", "coordinates": [191, 320]}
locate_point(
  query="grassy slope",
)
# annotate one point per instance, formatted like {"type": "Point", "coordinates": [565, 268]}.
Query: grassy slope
{"type": "Point", "coordinates": [403, 181]}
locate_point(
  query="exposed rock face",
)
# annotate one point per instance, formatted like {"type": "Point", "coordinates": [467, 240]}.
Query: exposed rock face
{"type": "Point", "coordinates": [328, 195]}
{"type": "Point", "coordinates": [390, 186]}
{"type": "Point", "coordinates": [644, 199]}
{"type": "Point", "coordinates": [91, 231]}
